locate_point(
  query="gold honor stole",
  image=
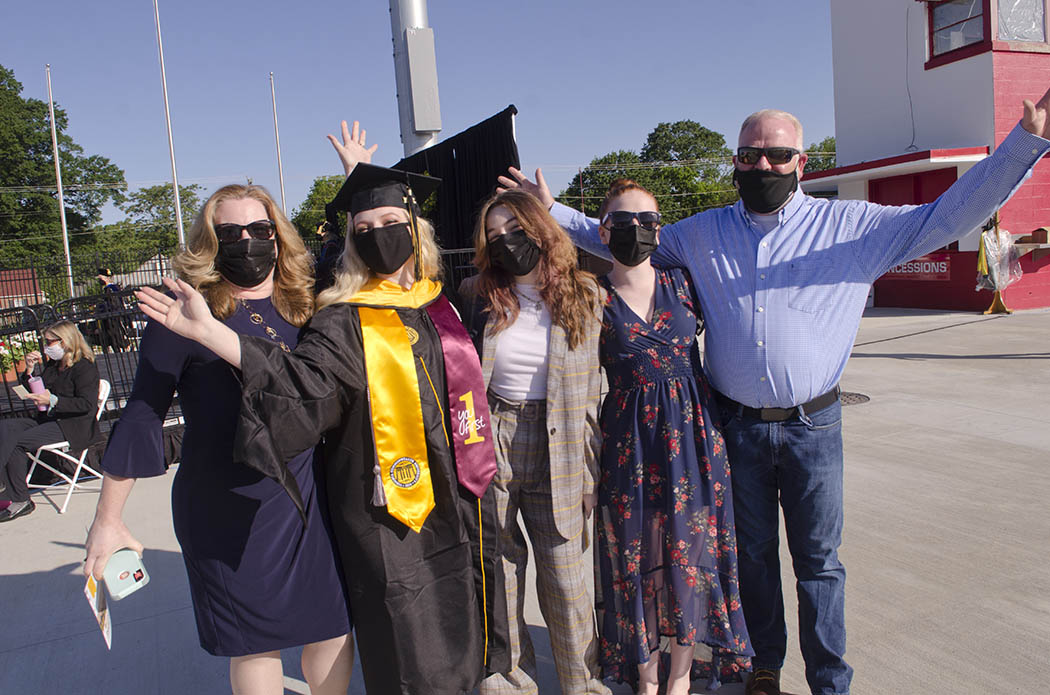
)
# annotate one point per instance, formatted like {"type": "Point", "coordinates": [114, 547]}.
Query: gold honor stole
{"type": "Point", "coordinates": [396, 406]}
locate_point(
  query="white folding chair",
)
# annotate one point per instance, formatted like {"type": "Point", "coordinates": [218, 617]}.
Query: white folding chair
{"type": "Point", "coordinates": [61, 449]}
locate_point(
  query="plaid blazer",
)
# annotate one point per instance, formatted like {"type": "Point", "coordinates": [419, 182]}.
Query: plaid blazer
{"type": "Point", "coordinates": [573, 396]}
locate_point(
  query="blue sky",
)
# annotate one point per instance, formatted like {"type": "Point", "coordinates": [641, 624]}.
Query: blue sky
{"type": "Point", "coordinates": [588, 77]}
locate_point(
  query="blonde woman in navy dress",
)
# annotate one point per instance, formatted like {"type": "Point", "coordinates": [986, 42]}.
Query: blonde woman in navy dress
{"type": "Point", "coordinates": [263, 577]}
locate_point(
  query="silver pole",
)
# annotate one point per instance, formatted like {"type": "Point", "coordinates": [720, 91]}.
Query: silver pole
{"type": "Point", "coordinates": [167, 118]}
{"type": "Point", "coordinates": [415, 74]}
{"type": "Point", "coordinates": [58, 179]}
{"type": "Point", "coordinates": [277, 136]}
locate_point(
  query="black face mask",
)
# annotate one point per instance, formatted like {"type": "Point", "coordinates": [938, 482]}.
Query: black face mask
{"type": "Point", "coordinates": [764, 191]}
{"type": "Point", "coordinates": [384, 249]}
{"type": "Point", "coordinates": [246, 262]}
{"type": "Point", "coordinates": [515, 252]}
{"type": "Point", "coordinates": [632, 244]}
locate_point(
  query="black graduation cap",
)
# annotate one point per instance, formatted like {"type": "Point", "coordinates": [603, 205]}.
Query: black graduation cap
{"type": "Point", "coordinates": [369, 186]}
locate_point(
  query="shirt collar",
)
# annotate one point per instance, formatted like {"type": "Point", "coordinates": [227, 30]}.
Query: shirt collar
{"type": "Point", "coordinates": [785, 213]}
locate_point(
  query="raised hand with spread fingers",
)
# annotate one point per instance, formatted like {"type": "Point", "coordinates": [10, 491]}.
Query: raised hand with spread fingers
{"type": "Point", "coordinates": [352, 149]}
{"type": "Point", "coordinates": [537, 188]}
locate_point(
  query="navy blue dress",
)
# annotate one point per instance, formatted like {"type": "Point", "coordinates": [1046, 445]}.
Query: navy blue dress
{"type": "Point", "coordinates": [666, 539]}
{"type": "Point", "coordinates": [260, 581]}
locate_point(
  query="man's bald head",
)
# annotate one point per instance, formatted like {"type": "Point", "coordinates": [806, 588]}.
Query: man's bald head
{"type": "Point", "coordinates": [763, 117]}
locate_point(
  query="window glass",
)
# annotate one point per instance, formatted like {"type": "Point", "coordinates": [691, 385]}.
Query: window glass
{"type": "Point", "coordinates": [1021, 20]}
{"type": "Point", "coordinates": [953, 11]}
{"type": "Point", "coordinates": [958, 35]}
{"type": "Point", "coordinates": [955, 24]}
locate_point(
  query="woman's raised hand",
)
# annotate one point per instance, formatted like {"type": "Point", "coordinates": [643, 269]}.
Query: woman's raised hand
{"type": "Point", "coordinates": [186, 313]}
{"type": "Point", "coordinates": [352, 150]}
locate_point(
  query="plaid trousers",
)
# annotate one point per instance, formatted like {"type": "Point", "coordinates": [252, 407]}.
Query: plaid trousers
{"type": "Point", "coordinates": [522, 484]}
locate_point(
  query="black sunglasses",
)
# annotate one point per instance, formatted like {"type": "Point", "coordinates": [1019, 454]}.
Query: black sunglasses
{"type": "Point", "coordinates": [774, 155]}
{"type": "Point", "coordinates": [260, 229]}
{"type": "Point", "coordinates": [51, 341]}
{"type": "Point", "coordinates": [647, 219]}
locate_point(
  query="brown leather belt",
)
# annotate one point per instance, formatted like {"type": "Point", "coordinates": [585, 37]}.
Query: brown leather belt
{"type": "Point", "coordinates": [779, 414]}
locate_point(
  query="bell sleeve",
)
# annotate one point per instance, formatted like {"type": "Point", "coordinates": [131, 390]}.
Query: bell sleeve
{"type": "Point", "coordinates": [136, 445]}
{"type": "Point", "coordinates": [289, 399]}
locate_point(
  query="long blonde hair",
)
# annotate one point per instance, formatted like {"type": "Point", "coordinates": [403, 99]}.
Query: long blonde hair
{"type": "Point", "coordinates": [293, 278]}
{"type": "Point", "coordinates": [73, 341]}
{"type": "Point", "coordinates": [352, 273]}
{"type": "Point", "coordinates": [571, 294]}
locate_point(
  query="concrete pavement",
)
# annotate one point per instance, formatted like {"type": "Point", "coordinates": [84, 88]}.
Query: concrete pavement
{"type": "Point", "coordinates": [947, 492]}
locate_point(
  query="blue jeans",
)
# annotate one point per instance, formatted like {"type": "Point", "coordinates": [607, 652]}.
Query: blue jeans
{"type": "Point", "coordinates": [799, 461]}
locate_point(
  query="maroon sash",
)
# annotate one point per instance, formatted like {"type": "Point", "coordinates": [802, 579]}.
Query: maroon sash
{"type": "Point", "coordinates": [468, 404]}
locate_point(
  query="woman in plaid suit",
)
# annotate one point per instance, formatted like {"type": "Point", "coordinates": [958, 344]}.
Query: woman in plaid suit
{"type": "Point", "coordinates": [536, 318]}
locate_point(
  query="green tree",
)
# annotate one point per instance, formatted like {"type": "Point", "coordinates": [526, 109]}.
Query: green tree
{"type": "Point", "coordinates": [309, 216]}
{"type": "Point", "coordinates": [29, 216]}
{"type": "Point", "coordinates": [684, 141]}
{"type": "Point", "coordinates": [151, 212]}
{"type": "Point", "coordinates": [148, 228]}
{"type": "Point", "coordinates": [821, 155]}
{"type": "Point", "coordinates": [685, 165]}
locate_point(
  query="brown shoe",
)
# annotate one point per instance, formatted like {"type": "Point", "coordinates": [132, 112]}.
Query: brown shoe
{"type": "Point", "coordinates": [764, 681]}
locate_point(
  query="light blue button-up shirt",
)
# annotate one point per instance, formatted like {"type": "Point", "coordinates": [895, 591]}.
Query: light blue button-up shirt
{"type": "Point", "coordinates": [783, 307]}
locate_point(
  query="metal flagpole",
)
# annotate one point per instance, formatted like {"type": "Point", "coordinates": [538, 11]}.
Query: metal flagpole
{"type": "Point", "coordinates": [167, 118]}
{"type": "Point", "coordinates": [277, 136]}
{"type": "Point", "coordinates": [58, 179]}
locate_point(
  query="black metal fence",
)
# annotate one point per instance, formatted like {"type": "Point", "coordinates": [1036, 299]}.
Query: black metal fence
{"type": "Point", "coordinates": [111, 321]}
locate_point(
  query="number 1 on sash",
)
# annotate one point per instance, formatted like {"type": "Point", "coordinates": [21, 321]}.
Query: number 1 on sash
{"type": "Point", "coordinates": [472, 423]}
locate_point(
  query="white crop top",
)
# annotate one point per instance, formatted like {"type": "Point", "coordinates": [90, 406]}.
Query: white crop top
{"type": "Point", "coordinates": [519, 372]}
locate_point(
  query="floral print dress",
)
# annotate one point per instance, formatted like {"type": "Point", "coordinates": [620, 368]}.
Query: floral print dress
{"type": "Point", "coordinates": [666, 540]}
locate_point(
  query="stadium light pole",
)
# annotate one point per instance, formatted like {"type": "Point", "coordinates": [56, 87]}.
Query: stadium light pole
{"type": "Point", "coordinates": [415, 70]}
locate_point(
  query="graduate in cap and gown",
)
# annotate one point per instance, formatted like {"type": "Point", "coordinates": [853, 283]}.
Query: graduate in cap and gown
{"type": "Point", "coordinates": [386, 377]}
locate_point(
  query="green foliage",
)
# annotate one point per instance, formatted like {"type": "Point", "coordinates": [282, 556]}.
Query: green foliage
{"type": "Point", "coordinates": [821, 155]}
{"type": "Point", "coordinates": [29, 216]}
{"type": "Point", "coordinates": [149, 226]}
{"type": "Point", "coordinates": [684, 164]}
{"type": "Point", "coordinates": [310, 215]}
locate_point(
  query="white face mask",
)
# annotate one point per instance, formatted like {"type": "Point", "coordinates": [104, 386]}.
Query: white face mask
{"type": "Point", "coordinates": [55, 352]}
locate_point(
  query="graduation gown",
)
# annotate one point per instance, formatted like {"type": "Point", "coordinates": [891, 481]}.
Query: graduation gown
{"type": "Point", "coordinates": [423, 604]}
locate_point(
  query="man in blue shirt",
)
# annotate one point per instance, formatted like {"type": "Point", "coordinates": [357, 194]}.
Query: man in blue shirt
{"type": "Point", "coordinates": [783, 278]}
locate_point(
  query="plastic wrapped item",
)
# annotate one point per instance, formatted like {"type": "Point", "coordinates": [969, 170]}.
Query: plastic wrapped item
{"type": "Point", "coordinates": [998, 261]}
{"type": "Point", "coordinates": [1021, 20]}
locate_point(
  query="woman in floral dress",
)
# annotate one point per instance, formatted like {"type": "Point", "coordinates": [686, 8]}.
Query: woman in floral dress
{"type": "Point", "coordinates": [667, 544]}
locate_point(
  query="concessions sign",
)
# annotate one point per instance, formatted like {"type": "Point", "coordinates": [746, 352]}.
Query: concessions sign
{"type": "Point", "coordinates": [932, 266]}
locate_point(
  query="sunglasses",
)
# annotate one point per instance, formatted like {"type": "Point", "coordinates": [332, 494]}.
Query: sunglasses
{"type": "Point", "coordinates": [647, 219]}
{"type": "Point", "coordinates": [774, 155]}
{"type": "Point", "coordinates": [260, 229]}
{"type": "Point", "coordinates": [52, 341]}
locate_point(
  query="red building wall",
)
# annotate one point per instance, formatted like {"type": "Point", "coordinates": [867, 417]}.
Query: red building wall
{"type": "Point", "coordinates": [1018, 76]}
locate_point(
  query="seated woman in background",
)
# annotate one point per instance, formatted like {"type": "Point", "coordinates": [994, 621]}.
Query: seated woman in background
{"type": "Point", "coordinates": [262, 569]}
{"type": "Point", "coordinates": [666, 538]}
{"type": "Point", "coordinates": [386, 373]}
{"type": "Point", "coordinates": [69, 402]}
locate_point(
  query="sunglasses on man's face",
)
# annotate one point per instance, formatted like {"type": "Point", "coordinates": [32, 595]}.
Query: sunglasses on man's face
{"type": "Point", "coordinates": [647, 219]}
{"type": "Point", "coordinates": [260, 229]}
{"type": "Point", "coordinates": [774, 155]}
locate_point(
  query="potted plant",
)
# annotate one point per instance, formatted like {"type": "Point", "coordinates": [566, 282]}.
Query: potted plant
{"type": "Point", "coordinates": [12, 357]}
